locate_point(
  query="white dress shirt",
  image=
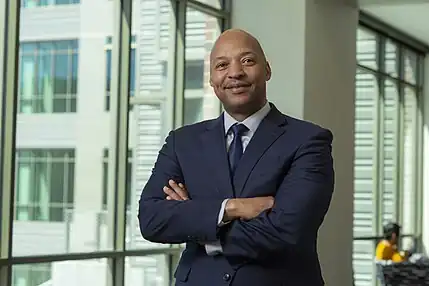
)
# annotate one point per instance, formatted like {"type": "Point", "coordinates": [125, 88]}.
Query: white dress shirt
{"type": "Point", "coordinates": [252, 123]}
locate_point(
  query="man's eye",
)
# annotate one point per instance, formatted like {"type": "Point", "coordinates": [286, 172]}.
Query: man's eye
{"type": "Point", "coordinates": [247, 60]}
{"type": "Point", "coordinates": [221, 65]}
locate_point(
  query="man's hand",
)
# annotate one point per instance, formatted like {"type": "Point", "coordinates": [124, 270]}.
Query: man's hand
{"type": "Point", "coordinates": [247, 208]}
{"type": "Point", "coordinates": [239, 208]}
{"type": "Point", "coordinates": [176, 191]}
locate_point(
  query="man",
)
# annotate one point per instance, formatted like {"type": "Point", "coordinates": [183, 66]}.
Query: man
{"type": "Point", "coordinates": [387, 249]}
{"type": "Point", "coordinates": [248, 191]}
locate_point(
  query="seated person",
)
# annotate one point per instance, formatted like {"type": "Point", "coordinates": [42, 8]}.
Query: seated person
{"type": "Point", "coordinates": [387, 249]}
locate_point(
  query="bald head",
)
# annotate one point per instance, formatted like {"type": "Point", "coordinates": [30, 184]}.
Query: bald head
{"type": "Point", "coordinates": [239, 72]}
{"type": "Point", "coordinates": [231, 36]}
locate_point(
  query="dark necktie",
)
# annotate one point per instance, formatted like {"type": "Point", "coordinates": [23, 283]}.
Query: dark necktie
{"type": "Point", "coordinates": [236, 148]}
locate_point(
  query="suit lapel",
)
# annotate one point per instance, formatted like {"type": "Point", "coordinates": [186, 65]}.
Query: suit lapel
{"type": "Point", "coordinates": [214, 150]}
{"type": "Point", "coordinates": [269, 130]}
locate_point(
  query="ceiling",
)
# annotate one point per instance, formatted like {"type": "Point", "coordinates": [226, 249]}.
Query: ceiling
{"type": "Point", "coordinates": [411, 18]}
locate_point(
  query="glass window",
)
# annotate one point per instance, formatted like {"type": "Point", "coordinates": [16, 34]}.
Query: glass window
{"type": "Point", "coordinates": [105, 177]}
{"type": "Point", "coordinates": [42, 3]}
{"type": "Point", "coordinates": [151, 116]}
{"type": "Point", "coordinates": [48, 76]}
{"type": "Point", "coordinates": [71, 272]}
{"type": "Point", "coordinates": [218, 4]}
{"type": "Point", "coordinates": [31, 274]}
{"type": "Point", "coordinates": [366, 45]}
{"type": "Point", "coordinates": [391, 58]}
{"type": "Point", "coordinates": [194, 74]}
{"type": "Point", "coordinates": [201, 32]}
{"type": "Point", "coordinates": [109, 69]}
{"type": "Point", "coordinates": [387, 136]}
{"type": "Point", "coordinates": [44, 185]}
{"type": "Point", "coordinates": [64, 203]}
{"type": "Point", "coordinates": [58, 202]}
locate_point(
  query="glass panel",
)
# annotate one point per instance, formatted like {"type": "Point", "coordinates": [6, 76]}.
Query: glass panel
{"type": "Point", "coordinates": [366, 48]}
{"type": "Point", "coordinates": [58, 206]}
{"type": "Point", "coordinates": [151, 118]}
{"type": "Point", "coordinates": [31, 274]}
{"type": "Point", "coordinates": [390, 154]}
{"type": "Point", "coordinates": [108, 64]}
{"type": "Point", "coordinates": [42, 3]}
{"type": "Point", "coordinates": [410, 64]}
{"type": "Point", "coordinates": [365, 188]}
{"type": "Point", "coordinates": [218, 4]}
{"type": "Point", "coordinates": [367, 93]}
{"type": "Point", "coordinates": [62, 273]}
{"type": "Point", "coordinates": [147, 270]}
{"type": "Point", "coordinates": [391, 58]}
{"type": "Point", "coordinates": [200, 101]}
{"type": "Point", "coordinates": [386, 129]}
{"type": "Point", "coordinates": [364, 272]}
{"type": "Point", "coordinates": [409, 165]}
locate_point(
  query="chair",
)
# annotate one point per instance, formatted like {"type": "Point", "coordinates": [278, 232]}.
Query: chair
{"type": "Point", "coordinates": [402, 274]}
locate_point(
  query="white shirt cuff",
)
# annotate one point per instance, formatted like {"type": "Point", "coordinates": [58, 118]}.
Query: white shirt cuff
{"type": "Point", "coordinates": [214, 248]}
{"type": "Point", "coordinates": [220, 221]}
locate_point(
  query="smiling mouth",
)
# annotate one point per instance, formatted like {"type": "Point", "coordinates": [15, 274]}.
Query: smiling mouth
{"type": "Point", "coordinates": [239, 89]}
{"type": "Point", "coordinates": [237, 86]}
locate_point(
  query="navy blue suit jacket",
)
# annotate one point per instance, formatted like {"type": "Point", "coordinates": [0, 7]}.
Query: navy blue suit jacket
{"type": "Point", "coordinates": [287, 158]}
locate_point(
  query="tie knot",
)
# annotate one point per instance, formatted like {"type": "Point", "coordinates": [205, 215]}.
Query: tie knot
{"type": "Point", "coordinates": [238, 129]}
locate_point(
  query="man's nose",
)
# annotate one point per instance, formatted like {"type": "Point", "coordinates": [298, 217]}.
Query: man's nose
{"type": "Point", "coordinates": [235, 70]}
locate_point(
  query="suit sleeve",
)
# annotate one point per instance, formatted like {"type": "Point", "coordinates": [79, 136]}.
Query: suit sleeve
{"type": "Point", "coordinates": [165, 221]}
{"type": "Point", "coordinates": [301, 203]}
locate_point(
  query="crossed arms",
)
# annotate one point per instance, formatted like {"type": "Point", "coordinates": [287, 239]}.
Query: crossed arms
{"type": "Point", "coordinates": [300, 205]}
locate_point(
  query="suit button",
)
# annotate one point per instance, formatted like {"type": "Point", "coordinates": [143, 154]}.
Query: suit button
{"type": "Point", "coordinates": [226, 277]}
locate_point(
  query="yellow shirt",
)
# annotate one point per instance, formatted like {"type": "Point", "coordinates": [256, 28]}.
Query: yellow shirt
{"type": "Point", "coordinates": [387, 251]}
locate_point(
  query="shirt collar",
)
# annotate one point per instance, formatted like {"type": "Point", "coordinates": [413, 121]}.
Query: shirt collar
{"type": "Point", "coordinates": [252, 122]}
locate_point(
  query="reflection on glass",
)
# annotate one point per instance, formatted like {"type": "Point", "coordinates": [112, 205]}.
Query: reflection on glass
{"type": "Point", "coordinates": [62, 130]}
{"type": "Point", "coordinates": [390, 60]}
{"type": "Point", "coordinates": [366, 48]}
{"type": "Point", "coordinates": [389, 158]}
{"type": "Point", "coordinates": [201, 33]}
{"type": "Point", "coordinates": [151, 114]}
{"type": "Point", "coordinates": [64, 273]}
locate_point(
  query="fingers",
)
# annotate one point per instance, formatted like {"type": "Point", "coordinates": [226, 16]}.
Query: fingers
{"type": "Point", "coordinates": [171, 194]}
{"type": "Point", "coordinates": [179, 189]}
{"type": "Point", "coordinates": [175, 191]}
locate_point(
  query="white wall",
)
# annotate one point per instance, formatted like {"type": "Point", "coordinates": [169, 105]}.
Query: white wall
{"type": "Point", "coordinates": [312, 51]}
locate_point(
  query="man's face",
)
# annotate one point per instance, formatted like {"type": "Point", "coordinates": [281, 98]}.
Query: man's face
{"type": "Point", "coordinates": [394, 239]}
{"type": "Point", "coordinates": [239, 71]}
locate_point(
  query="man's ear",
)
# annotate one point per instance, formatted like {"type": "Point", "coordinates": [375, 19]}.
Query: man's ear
{"type": "Point", "coordinates": [268, 72]}
{"type": "Point", "coordinates": [211, 83]}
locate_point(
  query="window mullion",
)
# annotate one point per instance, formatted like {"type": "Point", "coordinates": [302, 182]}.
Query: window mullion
{"type": "Point", "coordinates": [399, 170]}
{"type": "Point", "coordinates": [379, 141]}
